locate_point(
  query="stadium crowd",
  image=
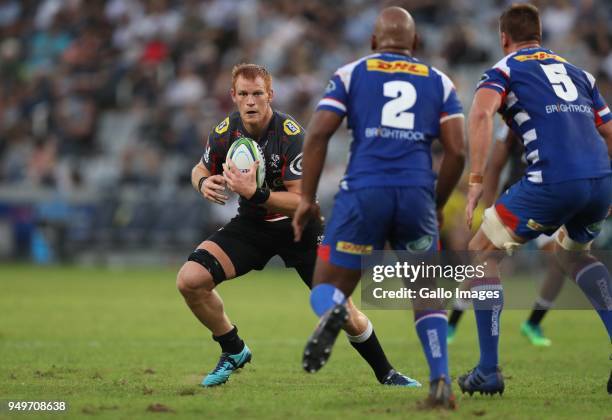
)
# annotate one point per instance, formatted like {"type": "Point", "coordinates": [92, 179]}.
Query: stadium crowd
{"type": "Point", "coordinates": [114, 99]}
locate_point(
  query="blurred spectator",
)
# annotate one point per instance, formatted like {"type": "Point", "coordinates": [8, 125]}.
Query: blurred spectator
{"type": "Point", "coordinates": [102, 95]}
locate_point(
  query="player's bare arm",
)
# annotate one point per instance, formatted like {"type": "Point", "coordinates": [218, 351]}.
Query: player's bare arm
{"type": "Point", "coordinates": [495, 164]}
{"type": "Point", "coordinates": [212, 187]}
{"type": "Point", "coordinates": [480, 131]}
{"type": "Point", "coordinates": [606, 132]}
{"type": "Point", "coordinates": [285, 202]}
{"type": "Point", "coordinates": [244, 184]}
{"type": "Point", "coordinates": [322, 126]}
{"type": "Point", "coordinates": [453, 160]}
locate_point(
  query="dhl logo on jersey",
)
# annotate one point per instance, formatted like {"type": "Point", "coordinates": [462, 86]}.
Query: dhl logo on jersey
{"type": "Point", "coordinates": [351, 248]}
{"type": "Point", "coordinates": [540, 55]}
{"type": "Point", "coordinates": [375, 64]}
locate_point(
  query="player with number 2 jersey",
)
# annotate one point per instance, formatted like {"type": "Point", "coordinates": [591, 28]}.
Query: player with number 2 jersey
{"type": "Point", "coordinates": [395, 106]}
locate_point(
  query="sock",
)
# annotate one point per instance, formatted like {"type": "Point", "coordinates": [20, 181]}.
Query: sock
{"type": "Point", "coordinates": [594, 281]}
{"type": "Point", "coordinates": [230, 342]}
{"type": "Point", "coordinates": [540, 308]}
{"type": "Point", "coordinates": [325, 296]}
{"type": "Point", "coordinates": [488, 313]}
{"type": "Point", "coordinates": [431, 328]}
{"type": "Point", "coordinates": [370, 349]}
{"type": "Point", "coordinates": [455, 317]}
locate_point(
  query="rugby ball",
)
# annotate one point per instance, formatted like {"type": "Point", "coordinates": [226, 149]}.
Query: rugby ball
{"type": "Point", "coordinates": [244, 152]}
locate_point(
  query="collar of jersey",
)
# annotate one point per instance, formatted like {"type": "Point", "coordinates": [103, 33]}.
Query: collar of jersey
{"type": "Point", "coordinates": [265, 132]}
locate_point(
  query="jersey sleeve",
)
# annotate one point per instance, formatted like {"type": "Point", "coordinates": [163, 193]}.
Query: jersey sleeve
{"type": "Point", "coordinates": [216, 147]}
{"type": "Point", "coordinates": [292, 158]}
{"type": "Point", "coordinates": [213, 156]}
{"type": "Point", "coordinates": [601, 110]}
{"type": "Point", "coordinates": [496, 79]}
{"type": "Point", "coordinates": [335, 98]}
{"type": "Point", "coordinates": [451, 106]}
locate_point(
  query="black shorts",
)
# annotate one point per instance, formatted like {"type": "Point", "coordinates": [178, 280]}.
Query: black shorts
{"type": "Point", "coordinates": [251, 243]}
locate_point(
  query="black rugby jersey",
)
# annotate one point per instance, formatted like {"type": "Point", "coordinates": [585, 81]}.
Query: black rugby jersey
{"type": "Point", "coordinates": [281, 144]}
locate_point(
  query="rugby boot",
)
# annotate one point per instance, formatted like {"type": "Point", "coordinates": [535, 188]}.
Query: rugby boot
{"type": "Point", "coordinates": [395, 378]}
{"type": "Point", "coordinates": [451, 331]}
{"type": "Point", "coordinates": [440, 395]}
{"type": "Point", "coordinates": [476, 381]}
{"type": "Point", "coordinates": [319, 345]}
{"type": "Point", "coordinates": [228, 363]}
{"type": "Point", "coordinates": [534, 334]}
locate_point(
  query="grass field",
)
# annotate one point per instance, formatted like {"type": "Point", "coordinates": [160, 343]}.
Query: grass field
{"type": "Point", "coordinates": [121, 344]}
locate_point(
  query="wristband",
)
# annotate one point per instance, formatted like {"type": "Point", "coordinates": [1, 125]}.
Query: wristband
{"type": "Point", "coordinates": [201, 182]}
{"type": "Point", "coordinates": [260, 196]}
{"type": "Point", "coordinates": [475, 179]}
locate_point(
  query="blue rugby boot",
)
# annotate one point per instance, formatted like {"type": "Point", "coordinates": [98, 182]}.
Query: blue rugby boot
{"type": "Point", "coordinates": [319, 345]}
{"type": "Point", "coordinates": [476, 381]}
{"type": "Point", "coordinates": [227, 364]}
{"type": "Point", "coordinates": [394, 378]}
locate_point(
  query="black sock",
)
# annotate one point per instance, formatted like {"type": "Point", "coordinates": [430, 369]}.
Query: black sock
{"type": "Point", "coordinates": [455, 317]}
{"type": "Point", "coordinates": [372, 352]}
{"type": "Point", "coordinates": [536, 315]}
{"type": "Point", "coordinates": [230, 342]}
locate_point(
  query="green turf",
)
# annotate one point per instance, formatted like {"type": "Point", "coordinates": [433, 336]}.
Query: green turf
{"type": "Point", "coordinates": [114, 343]}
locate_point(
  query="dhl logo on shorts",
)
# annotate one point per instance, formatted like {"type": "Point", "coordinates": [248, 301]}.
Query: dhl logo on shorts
{"type": "Point", "coordinates": [533, 225]}
{"type": "Point", "coordinates": [540, 55]}
{"type": "Point", "coordinates": [355, 249]}
{"type": "Point", "coordinates": [375, 64]}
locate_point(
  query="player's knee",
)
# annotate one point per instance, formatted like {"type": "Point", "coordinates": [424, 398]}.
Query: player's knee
{"type": "Point", "coordinates": [193, 278]}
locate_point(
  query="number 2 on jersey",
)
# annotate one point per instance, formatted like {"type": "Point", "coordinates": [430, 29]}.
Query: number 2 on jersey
{"type": "Point", "coordinates": [393, 112]}
{"type": "Point", "coordinates": [561, 83]}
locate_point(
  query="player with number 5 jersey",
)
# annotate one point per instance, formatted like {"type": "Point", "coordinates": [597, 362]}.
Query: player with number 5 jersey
{"type": "Point", "coordinates": [554, 107]}
{"type": "Point", "coordinates": [395, 106]}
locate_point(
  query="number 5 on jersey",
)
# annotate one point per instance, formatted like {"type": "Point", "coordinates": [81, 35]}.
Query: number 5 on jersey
{"type": "Point", "coordinates": [561, 83]}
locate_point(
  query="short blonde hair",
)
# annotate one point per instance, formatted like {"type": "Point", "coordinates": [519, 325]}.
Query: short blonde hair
{"type": "Point", "coordinates": [251, 72]}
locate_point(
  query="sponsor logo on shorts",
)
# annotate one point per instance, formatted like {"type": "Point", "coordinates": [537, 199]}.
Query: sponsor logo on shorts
{"type": "Point", "coordinates": [355, 249]}
{"type": "Point", "coordinates": [291, 128]}
{"type": "Point", "coordinates": [533, 225]}
{"type": "Point", "coordinates": [422, 244]}
{"type": "Point", "coordinates": [595, 227]}
{"type": "Point", "coordinates": [399, 66]}
{"type": "Point", "coordinates": [540, 55]}
{"type": "Point", "coordinates": [223, 126]}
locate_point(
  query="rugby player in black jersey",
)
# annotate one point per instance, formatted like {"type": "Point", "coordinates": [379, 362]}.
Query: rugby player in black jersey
{"type": "Point", "coordinates": [262, 227]}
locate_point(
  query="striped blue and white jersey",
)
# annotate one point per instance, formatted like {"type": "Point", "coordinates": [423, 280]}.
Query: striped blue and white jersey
{"type": "Point", "coordinates": [555, 108]}
{"type": "Point", "coordinates": [394, 106]}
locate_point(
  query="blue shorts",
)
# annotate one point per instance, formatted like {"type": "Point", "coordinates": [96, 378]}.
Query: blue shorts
{"type": "Point", "coordinates": [580, 205]}
{"type": "Point", "coordinates": [363, 220]}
